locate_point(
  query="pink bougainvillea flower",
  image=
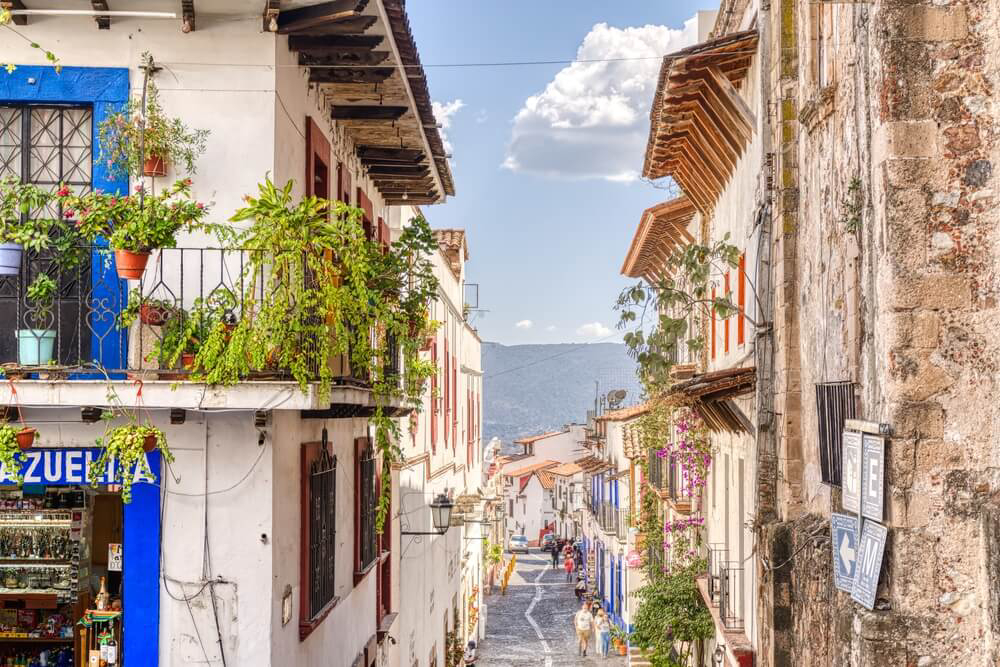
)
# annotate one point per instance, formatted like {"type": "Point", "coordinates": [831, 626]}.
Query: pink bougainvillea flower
{"type": "Point", "coordinates": [69, 213]}
{"type": "Point", "coordinates": [138, 188]}
{"type": "Point", "coordinates": [201, 207]}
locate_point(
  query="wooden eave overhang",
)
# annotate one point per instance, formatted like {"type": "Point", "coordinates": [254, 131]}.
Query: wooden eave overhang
{"type": "Point", "coordinates": [699, 123]}
{"type": "Point", "coordinates": [662, 230]}
{"type": "Point", "coordinates": [362, 58]}
{"type": "Point", "coordinates": [713, 393]}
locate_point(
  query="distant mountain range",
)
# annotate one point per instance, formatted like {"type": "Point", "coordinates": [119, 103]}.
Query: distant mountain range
{"type": "Point", "coordinates": [530, 389]}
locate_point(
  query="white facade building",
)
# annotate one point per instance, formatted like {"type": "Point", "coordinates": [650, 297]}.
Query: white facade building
{"type": "Point", "coordinates": [441, 577]}
{"type": "Point", "coordinates": [217, 561]}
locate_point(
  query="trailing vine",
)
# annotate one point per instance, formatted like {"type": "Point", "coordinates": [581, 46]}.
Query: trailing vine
{"type": "Point", "coordinates": [675, 303]}
{"type": "Point", "coordinates": [317, 289]}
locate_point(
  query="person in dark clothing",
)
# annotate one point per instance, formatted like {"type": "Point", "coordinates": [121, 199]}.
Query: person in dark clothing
{"type": "Point", "coordinates": [555, 557]}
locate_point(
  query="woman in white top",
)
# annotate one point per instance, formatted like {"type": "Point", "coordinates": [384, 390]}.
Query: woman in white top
{"type": "Point", "coordinates": [603, 626]}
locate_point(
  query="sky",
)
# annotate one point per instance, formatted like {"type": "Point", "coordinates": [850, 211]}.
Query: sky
{"type": "Point", "coordinates": [546, 158]}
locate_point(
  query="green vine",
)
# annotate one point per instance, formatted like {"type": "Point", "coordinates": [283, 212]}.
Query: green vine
{"type": "Point", "coordinates": [10, 454]}
{"type": "Point", "coordinates": [853, 205]}
{"type": "Point", "coordinates": [5, 21]}
{"type": "Point", "coordinates": [676, 302]}
{"type": "Point", "coordinates": [124, 445]}
{"type": "Point", "coordinates": [319, 289]}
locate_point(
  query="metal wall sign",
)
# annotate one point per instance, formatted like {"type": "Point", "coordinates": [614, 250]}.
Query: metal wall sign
{"type": "Point", "coordinates": [872, 476]}
{"type": "Point", "coordinates": [869, 565]}
{"type": "Point", "coordinates": [851, 473]}
{"type": "Point", "coordinates": [844, 538]}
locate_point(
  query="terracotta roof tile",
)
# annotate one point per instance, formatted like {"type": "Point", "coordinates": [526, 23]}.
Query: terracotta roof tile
{"type": "Point", "coordinates": [527, 470]}
{"type": "Point", "coordinates": [565, 469]}
{"type": "Point", "coordinates": [454, 247]}
{"type": "Point", "coordinates": [535, 438]}
{"type": "Point", "coordinates": [546, 478]}
{"type": "Point", "coordinates": [625, 413]}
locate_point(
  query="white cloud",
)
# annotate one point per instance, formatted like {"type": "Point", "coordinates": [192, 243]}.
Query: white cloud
{"type": "Point", "coordinates": [482, 116]}
{"type": "Point", "coordinates": [592, 119]}
{"type": "Point", "coordinates": [593, 330]}
{"type": "Point", "coordinates": [443, 111]}
{"type": "Point", "coordinates": [524, 324]}
{"type": "Point", "coordinates": [551, 327]}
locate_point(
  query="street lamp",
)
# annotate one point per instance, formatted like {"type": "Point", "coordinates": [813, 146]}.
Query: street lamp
{"type": "Point", "coordinates": [719, 655]}
{"type": "Point", "coordinates": [440, 515]}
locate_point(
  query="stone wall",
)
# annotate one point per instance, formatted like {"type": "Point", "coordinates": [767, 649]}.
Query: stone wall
{"type": "Point", "coordinates": [891, 283]}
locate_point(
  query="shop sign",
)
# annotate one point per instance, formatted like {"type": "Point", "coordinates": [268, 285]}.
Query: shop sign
{"type": "Point", "coordinates": [114, 557]}
{"type": "Point", "coordinates": [844, 534]}
{"type": "Point", "coordinates": [63, 465]}
{"type": "Point", "coordinates": [851, 473]}
{"type": "Point", "coordinates": [872, 476]}
{"type": "Point", "coordinates": [869, 565]}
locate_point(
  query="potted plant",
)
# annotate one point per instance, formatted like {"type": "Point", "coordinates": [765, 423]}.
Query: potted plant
{"type": "Point", "coordinates": [164, 140]}
{"type": "Point", "coordinates": [10, 452]}
{"type": "Point", "coordinates": [23, 225]}
{"type": "Point", "coordinates": [150, 311]}
{"type": "Point", "coordinates": [137, 224]}
{"type": "Point", "coordinates": [127, 445]}
{"type": "Point", "coordinates": [36, 346]}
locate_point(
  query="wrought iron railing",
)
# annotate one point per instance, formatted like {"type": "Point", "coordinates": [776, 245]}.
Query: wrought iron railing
{"type": "Point", "coordinates": [613, 520]}
{"type": "Point", "coordinates": [731, 595]}
{"type": "Point", "coordinates": [717, 555]}
{"type": "Point", "coordinates": [83, 334]}
{"type": "Point", "coordinates": [655, 467]}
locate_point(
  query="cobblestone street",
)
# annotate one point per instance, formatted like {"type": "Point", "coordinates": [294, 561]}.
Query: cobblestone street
{"type": "Point", "coordinates": [532, 624]}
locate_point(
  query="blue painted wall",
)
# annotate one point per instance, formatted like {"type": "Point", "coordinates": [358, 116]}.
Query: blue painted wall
{"type": "Point", "coordinates": [107, 89]}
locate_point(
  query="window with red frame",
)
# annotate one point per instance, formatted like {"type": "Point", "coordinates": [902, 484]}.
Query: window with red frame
{"type": "Point", "coordinates": [741, 300]}
{"type": "Point", "coordinates": [383, 585]}
{"type": "Point", "coordinates": [447, 393]}
{"type": "Point", "coordinates": [713, 324]}
{"type": "Point", "coordinates": [434, 398]}
{"type": "Point", "coordinates": [365, 500]}
{"type": "Point", "coordinates": [725, 322]}
{"type": "Point", "coordinates": [318, 511]}
{"type": "Point", "coordinates": [454, 403]}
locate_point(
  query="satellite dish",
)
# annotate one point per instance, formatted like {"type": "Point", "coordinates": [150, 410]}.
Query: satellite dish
{"type": "Point", "coordinates": [616, 397]}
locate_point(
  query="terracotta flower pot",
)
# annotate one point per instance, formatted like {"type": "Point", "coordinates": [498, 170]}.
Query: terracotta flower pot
{"type": "Point", "coordinates": [187, 360]}
{"type": "Point", "coordinates": [154, 166]}
{"type": "Point", "coordinates": [26, 438]}
{"type": "Point", "coordinates": [149, 443]}
{"type": "Point", "coordinates": [131, 265]}
{"type": "Point", "coordinates": [621, 649]}
{"type": "Point", "coordinates": [153, 314]}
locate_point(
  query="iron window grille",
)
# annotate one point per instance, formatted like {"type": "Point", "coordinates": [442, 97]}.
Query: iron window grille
{"type": "Point", "coordinates": [731, 595]}
{"type": "Point", "coordinates": [368, 498]}
{"type": "Point", "coordinates": [835, 402]}
{"type": "Point", "coordinates": [322, 530]}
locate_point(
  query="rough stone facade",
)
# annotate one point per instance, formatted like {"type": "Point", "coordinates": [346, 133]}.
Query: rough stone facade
{"type": "Point", "coordinates": [883, 122]}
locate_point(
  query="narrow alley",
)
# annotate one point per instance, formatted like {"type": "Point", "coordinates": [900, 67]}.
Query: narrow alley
{"type": "Point", "coordinates": [533, 623]}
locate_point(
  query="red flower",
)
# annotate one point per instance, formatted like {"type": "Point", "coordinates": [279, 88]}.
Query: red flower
{"type": "Point", "coordinates": [187, 181]}
{"type": "Point", "coordinates": [138, 188]}
{"type": "Point", "coordinates": [63, 191]}
{"type": "Point", "coordinates": [201, 207]}
{"type": "Point", "coordinates": [69, 213]}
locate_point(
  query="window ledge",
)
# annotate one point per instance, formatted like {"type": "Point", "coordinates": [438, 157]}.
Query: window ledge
{"type": "Point", "coordinates": [359, 575]}
{"type": "Point", "coordinates": [385, 625]}
{"type": "Point", "coordinates": [306, 627]}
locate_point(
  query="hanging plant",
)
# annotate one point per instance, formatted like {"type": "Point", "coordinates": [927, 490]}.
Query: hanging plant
{"type": "Point", "coordinates": [138, 223]}
{"type": "Point", "coordinates": [10, 452]}
{"type": "Point", "coordinates": [319, 289]}
{"type": "Point", "coordinates": [167, 140]}
{"type": "Point", "coordinates": [127, 446]}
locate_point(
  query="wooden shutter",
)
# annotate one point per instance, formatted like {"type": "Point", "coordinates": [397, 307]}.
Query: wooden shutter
{"type": "Point", "coordinates": [368, 214]}
{"type": "Point", "coordinates": [434, 398]}
{"type": "Point", "coordinates": [713, 324]}
{"type": "Point", "coordinates": [343, 184]}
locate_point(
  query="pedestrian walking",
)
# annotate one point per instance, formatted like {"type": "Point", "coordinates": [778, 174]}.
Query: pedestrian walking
{"type": "Point", "coordinates": [569, 565]}
{"type": "Point", "coordinates": [555, 557]}
{"type": "Point", "coordinates": [470, 654]}
{"type": "Point", "coordinates": [583, 621]}
{"type": "Point", "coordinates": [581, 587]}
{"type": "Point", "coordinates": [602, 626]}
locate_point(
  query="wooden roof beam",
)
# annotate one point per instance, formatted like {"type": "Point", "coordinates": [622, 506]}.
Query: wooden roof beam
{"type": "Point", "coordinates": [701, 161]}
{"type": "Point", "coordinates": [391, 154]}
{"type": "Point", "coordinates": [332, 58]}
{"type": "Point", "coordinates": [696, 182]}
{"type": "Point", "coordinates": [103, 21]}
{"type": "Point", "coordinates": [17, 19]}
{"type": "Point", "coordinates": [317, 16]}
{"type": "Point", "coordinates": [187, 16]}
{"type": "Point", "coordinates": [692, 186]}
{"type": "Point", "coordinates": [350, 75]}
{"type": "Point", "coordinates": [710, 141]}
{"type": "Point", "coordinates": [366, 112]}
{"type": "Point", "coordinates": [348, 26]}
{"type": "Point", "coordinates": [734, 96]}
{"type": "Point", "coordinates": [320, 45]}
{"type": "Point", "coordinates": [715, 101]}
{"type": "Point", "coordinates": [420, 171]}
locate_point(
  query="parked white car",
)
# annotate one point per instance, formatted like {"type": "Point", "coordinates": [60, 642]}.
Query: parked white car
{"type": "Point", "coordinates": [518, 543]}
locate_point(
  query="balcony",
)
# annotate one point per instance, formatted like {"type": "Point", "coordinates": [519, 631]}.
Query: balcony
{"type": "Point", "coordinates": [678, 490]}
{"type": "Point", "coordinates": [722, 591]}
{"type": "Point", "coordinates": [613, 520]}
{"type": "Point", "coordinates": [68, 352]}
